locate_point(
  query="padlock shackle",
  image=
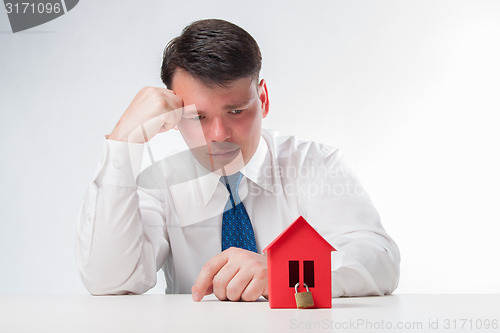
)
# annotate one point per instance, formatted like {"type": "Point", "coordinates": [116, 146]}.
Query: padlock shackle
{"type": "Point", "coordinates": [298, 284]}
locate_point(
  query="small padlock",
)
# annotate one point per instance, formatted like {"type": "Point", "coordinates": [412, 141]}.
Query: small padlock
{"type": "Point", "coordinates": [304, 299]}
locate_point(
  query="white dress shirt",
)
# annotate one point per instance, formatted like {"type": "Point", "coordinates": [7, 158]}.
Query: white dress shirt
{"type": "Point", "coordinates": [170, 217]}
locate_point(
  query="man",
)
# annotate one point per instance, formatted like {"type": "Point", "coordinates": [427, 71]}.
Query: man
{"type": "Point", "coordinates": [206, 217]}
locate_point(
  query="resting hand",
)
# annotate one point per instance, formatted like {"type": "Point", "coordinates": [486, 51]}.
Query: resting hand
{"type": "Point", "coordinates": [234, 274]}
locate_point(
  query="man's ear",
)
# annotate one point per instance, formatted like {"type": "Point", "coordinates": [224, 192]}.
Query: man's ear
{"type": "Point", "coordinates": [263, 97]}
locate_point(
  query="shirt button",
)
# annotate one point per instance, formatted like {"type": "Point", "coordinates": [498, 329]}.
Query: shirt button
{"type": "Point", "coordinates": [89, 216]}
{"type": "Point", "coordinates": [116, 164]}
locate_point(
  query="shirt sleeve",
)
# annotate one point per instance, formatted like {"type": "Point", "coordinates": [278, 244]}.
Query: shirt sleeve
{"type": "Point", "coordinates": [367, 259]}
{"type": "Point", "coordinates": [120, 239]}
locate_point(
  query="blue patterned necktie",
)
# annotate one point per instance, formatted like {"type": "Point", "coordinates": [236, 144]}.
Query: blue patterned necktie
{"type": "Point", "coordinates": [237, 229]}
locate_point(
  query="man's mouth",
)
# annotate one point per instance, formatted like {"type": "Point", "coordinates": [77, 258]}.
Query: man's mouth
{"type": "Point", "coordinates": [223, 149]}
{"type": "Point", "coordinates": [224, 153]}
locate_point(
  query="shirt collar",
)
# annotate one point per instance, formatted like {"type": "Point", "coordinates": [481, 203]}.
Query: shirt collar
{"type": "Point", "coordinates": [259, 168]}
{"type": "Point", "coordinates": [185, 169]}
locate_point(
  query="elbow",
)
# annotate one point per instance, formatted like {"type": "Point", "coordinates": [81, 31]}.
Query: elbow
{"type": "Point", "coordinates": [105, 282]}
{"type": "Point", "coordinates": [102, 287]}
{"type": "Point", "coordinates": [388, 284]}
{"type": "Point", "coordinates": [105, 274]}
{"type": "Point", "coordinates": [387, 276]}
{"type": "Point", "coordinates": [99, 285]}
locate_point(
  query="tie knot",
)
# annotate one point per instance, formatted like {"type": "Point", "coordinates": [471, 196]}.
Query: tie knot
{"type": "Point", "coordinates": [233, 181]}
{"type": "Point", "coordinates": [232, 184]}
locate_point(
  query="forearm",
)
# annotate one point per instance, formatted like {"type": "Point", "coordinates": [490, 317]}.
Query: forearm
{"type": "Point", "coordinates": [113, 254]}
{"type": "Point", "coordinates": [117, 259]}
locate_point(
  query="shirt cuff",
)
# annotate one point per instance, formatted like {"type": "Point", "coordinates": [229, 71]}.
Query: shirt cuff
{"type": "Point", "coordinates": [120, 164]}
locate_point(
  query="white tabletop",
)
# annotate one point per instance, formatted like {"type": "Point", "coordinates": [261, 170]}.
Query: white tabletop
{"type": "Point", "coordinates": [178, 313]}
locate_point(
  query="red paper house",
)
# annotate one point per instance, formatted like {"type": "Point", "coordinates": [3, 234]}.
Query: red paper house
{"type": "Point", "coordinates": [299, 254]}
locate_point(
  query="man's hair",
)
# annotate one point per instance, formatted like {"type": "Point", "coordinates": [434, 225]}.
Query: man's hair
{"type": "Point", "coordinates": [213, 51]}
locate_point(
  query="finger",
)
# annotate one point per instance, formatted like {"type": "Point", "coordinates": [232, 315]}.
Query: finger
{"type": "Point", "coordinates": [189, 109]}
{"type": "Point", "coordinates": [206, 276]}
{"type": "Point", "coordinates": [237, 285]}
{"type": "Point", "coordinates": [256, 288]}
{"type": "Point", "coordinates": [222, 281]}
{"type": "Point", "coordinates": [170, 119]}
{"type": "Point", "coordinates": [171, 96]}
{"type": "Point", "coordinates": [166, 90]}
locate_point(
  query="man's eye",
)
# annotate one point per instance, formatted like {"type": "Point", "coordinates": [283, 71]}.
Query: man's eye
{"type": "Point", "coordinates": [198, 117]}
{"type": "Point", "coordinates": [236, 111]}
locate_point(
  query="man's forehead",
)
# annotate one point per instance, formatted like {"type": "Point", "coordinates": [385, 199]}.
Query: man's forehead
{"type": "Point", "coordinates": [202, 107]}
{"type": "Point", "coordinates": [237, 93]}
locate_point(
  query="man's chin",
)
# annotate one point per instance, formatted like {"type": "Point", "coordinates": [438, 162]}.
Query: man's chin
{"type": "Point", "coordinates": [229, 170]}
{"type": "Point", "coordinates": [223, 159]}
{"type": "Point", "coordinates": [222, 166]}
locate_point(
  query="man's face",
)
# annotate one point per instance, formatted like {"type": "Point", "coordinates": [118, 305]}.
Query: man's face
{"type": "Point", "coordinates": [223, 131]}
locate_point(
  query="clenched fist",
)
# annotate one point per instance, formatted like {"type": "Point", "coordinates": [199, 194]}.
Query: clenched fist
{"type": "Point", "coordinates": [152, 111]}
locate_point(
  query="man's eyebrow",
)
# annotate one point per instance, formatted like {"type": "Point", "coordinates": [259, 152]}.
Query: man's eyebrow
{"type": "Point", "coordinates": [239, 105]}
{"type": "Point", "coordinates": [235, 106]}
{"type": "Point", "coordinates": [190, 113]}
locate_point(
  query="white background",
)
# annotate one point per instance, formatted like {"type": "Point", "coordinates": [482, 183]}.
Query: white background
{"type": "Point", "coordinates": [409, 90]}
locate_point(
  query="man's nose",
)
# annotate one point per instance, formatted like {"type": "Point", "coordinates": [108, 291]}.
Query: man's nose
{"type": "Point", "coordinates": [218, 131]}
